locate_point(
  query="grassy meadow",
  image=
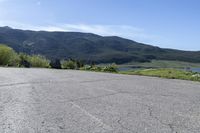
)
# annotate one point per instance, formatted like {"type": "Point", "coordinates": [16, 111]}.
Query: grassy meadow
{"type": "Point", "coordinates": [166, 73]}
{"type": "Point", "coordinates": [162, 64]}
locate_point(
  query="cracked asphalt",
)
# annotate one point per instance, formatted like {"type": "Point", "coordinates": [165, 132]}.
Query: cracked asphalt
{"type": "Point", "coordinates": [67, 101]}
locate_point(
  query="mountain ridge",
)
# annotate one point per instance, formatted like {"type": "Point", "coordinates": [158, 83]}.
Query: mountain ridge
{"type": "Point", "coordinates": [89, 47]}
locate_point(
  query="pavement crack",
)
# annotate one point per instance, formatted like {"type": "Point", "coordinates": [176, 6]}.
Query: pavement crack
{"type": "Point", "coordinates": [171, 126]}
{"type": "Point", "coordinates": [126, 128]}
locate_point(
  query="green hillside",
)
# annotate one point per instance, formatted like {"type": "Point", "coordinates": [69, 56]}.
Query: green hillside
{"type": "Point", "coordinates": [88, 47]}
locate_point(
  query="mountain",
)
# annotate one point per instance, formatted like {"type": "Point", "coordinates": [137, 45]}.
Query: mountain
{"type": "Point", "coordinates": [88, 47]}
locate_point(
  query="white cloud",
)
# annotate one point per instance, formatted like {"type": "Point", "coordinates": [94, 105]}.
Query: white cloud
{"type": "Point", "coordinates": [104, 30]}
{"type": "Point", "coordinates": [125, 31]}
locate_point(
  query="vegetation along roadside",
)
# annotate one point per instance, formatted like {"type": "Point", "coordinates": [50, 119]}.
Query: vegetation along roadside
{"type": "Point", "coordinates": [8, 57]}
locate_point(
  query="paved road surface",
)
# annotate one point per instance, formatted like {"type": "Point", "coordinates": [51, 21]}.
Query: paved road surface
{"type": "Point", "coordinates": [57, 101]}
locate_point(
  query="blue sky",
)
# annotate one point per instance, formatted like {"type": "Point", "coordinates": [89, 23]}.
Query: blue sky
{"type": "Point", "coordinates": [164, 23]}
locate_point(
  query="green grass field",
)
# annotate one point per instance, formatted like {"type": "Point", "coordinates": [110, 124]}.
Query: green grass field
{"type": "Point", "coordinates": [166, 73]}
{"type": "Point", "coordinates": [163, 64]}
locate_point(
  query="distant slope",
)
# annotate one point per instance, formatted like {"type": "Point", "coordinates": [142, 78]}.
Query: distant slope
{"type": "Point", "coordinates": [88, 47]}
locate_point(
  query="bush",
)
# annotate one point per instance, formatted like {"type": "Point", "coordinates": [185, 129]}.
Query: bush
{"type": "Point", "coordinates": [96, 68]}
{"type": "Point", "coordinates": [8, 57]}
{"type": "Point", "coordinates": [69, 64]}
{"type": "Point", "coordinates": [38, 61]}
{"type": "Point", "coordinates": [86, 67]}
{"type": "Point", "coordinates": [15, 60]}
{"type": "Point", "coordinates": [79, 64]}
{"type": "Point", "coordinates": [55, 64]}
{"type": "Point", "coordinates": [110, 68]}
{"type": "Point", "coordinates": [24, 60]}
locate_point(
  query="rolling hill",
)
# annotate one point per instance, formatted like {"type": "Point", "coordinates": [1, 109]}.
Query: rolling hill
{"type": "Point", "coordinates": [88, 47]}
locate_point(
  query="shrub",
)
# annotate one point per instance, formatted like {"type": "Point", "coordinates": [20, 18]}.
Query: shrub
{"type": "Point", "coordinates": [38, 61]}
{"type": "Point", "coordinates": [55, 64]}
{"type": "Point", "coordinates": [110, 68]}
{"type": "Point", "coordinates": [69, 64]}
{"type": "Point", "coordinates": [79, 64]}
{"type": "Point", "coordinates": [8, 57]}
{"type": "Point", "coordinates": [86, 67]}
{"type": "Point", "coordinates": [91, 68]}
{"type": "Point", "coordinates": [24, 60]}
{"type": "Point", "coordinates": [15, 60]}
{"type": "Point", "coordinates": [96, 68]}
